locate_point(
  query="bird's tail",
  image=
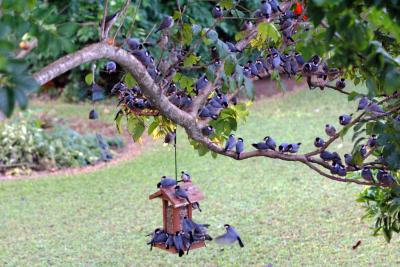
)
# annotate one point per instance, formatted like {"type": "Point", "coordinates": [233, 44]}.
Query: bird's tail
{"type": "Point", "coordinates": [240, 242]}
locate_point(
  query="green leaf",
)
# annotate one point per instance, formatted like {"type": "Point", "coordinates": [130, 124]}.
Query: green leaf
{"type": "Point", "coordinates": [135, 127]}
{"type": "Point", "coordinates": [118, 121]}
{"type": "Point", "coordinates": [7, 100]}
{"type": "Point", "coordinates": [129, 80]}
{"type": "Point", "coordinates": [89, 79]}
{"type": "Point", "coordinates": [21, 98]}
{"type": "Point", "coordinates": [249, 86]}
{"type": "Point", "coordinates": [229, 65]}
{"type": "Point", "coordinates": [187, 34]}
{"type": "Point", "coordinates": [190, 60]}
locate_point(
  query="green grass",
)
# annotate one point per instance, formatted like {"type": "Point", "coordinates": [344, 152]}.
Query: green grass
{"type": "Point", "coordinates": [287, 214]}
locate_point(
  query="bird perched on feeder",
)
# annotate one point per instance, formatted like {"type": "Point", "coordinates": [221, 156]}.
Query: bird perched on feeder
{"type": "Point", "coordinates": [196, 205]}
{"type": "Point", "coordinates": [170, 241]}
{"type": "Point", "coordinates": [330, 130]}
{"type": "Point", "coordinates": [158, 236]}
{"type": "Point", "coordinates": [230, 143]}
{"type": "Point", "coordinates": [185, 176]}
{"type": "Point", "coordinates": [239, 147]}
{"type": "Point", "coordinates": [230, 237]}
{"type": "Point", "coordinates": [319, 142]}
{"type": "Point", "coordinates": [166, 182]}
{"type": "Point", "coordinates": [178, 243]}
{"type": "Point", "coordinates": [167, 23]}
{"type": "Point", "coordinates": [181, 193]}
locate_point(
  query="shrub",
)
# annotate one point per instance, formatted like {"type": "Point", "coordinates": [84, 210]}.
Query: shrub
{"type": "Point", "coordinates": [27, 146]}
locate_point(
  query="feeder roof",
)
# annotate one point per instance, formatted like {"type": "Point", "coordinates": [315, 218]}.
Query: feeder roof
{"type": "Point", "coordinates": [168, 193]}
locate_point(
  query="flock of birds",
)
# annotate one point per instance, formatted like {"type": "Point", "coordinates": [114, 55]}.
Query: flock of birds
{"type": "Point", "coordinates": [191, 231]}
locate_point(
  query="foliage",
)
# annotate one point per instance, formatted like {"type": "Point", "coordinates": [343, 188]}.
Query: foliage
{"type": "Point", "coordinates": [26, 146]}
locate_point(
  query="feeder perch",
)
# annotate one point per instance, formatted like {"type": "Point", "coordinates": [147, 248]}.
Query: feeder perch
{"type": "Point", "coordinates": [175, 209]}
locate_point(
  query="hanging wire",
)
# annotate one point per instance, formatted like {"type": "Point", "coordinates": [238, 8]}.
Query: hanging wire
{"type": "Point", "coordinates": [176, 163]}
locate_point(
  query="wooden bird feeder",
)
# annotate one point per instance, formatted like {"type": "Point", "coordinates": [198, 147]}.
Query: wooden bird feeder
{"type": "Point", "coordinates": [175, 209]}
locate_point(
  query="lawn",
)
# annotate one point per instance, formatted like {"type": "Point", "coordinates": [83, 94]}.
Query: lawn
{"type": "Point", "coordinates": [287, 214]}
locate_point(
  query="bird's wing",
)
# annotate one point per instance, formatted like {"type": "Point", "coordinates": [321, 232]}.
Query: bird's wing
{"type": "Point", "coordinates": [225, 239]}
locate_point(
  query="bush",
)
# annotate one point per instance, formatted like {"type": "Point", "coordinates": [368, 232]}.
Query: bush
{"type": "Point", "coordinates": [27, 146]}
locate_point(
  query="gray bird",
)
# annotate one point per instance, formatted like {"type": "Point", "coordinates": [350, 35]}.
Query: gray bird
{"type": "Point", "coordinates": [342, 171]}
{"type": "Point", "coordinates": [266, 9]}
{"type": "Point", "coordinates": [319, 142]}
{"type": "Point", "coordinates": [284, 147]}
{"type": "Point", "coordinates": [181, 194]}
{"type": "Point", "coordinates": [385, 178]}
{"type": "Point", "coordinates": [166, 182]}
{"type": "Point", "coordinates": [158, 236]}
{"type": "Point", "coordinates": [217, 12]}
{"type": "Point", "coordinates": [275, 6]}
{"type": "Point", "coordinates": [205, 113]}
{"type": "Point", "coordinates": [178, 243]}
{"type": "Point", "coordinates": [261, 146]}
{"type": "Point", "coordinates": [196, 205]}
{"type": "Point", "coordinates": [299, 59]}
{"type": "Point", "coordinates": [208, 130]}
{"type": "Point", "coordinates": [144, 57]}
{"type": "Point", "coordinates": [294, 65]}
{"type": "Point", "coordinates": [363, 103]}
{"type": "Point", "coordinates": [108, 23]}
{"type": "Point", "coordinates": [363, 150]}
{"type": "Point", "coordinates": [247, 72]}
{"type": "Point", "coordinates": [340, 84]}
{"type": "Point", "coordinates": [239, 147]}
{"type": "Point", "coordinates": [326, 155]}
{"type": "Point", "coordinates": [232, 47]}
{"type": "Point", "coordinates": [111, 67]}
{"type": "Point", "coordinates": [348, 159]}
{"type": "Point", "coordinates": [230, 237]}
{"type": "Point", "coordinates": [188, 227]}
{"type": "Point", "coordinates": [170, 241]}
{"type": "Point", "coordinates": [133, 44]}
{"type": "Point", "coordinates": [372, 140]}
{"type": "Point", "coordinates": [294, 148]}
{"type": "Point", "coordinates": [345, 119]}
{"type": "Point", "coordinates": [230, 143]}
{"type": "Point", "coordinates": [186, 102]}
{"type": "Point", "coordinates": [367, 174]}
{"type": "Point", "coordinates": [276, 61]}
{"type": "Point", "coordinates": [167, 23]}
{"type": "Point", "coordinates": [270, 142]}
{"type": "Point", "coordinates": [375, 108]}
{"type": "Point", "coordinates": [247, 26]}
{"type": "Point", "coordinates": [330, 130]}
{"type": "Point", "coordinates": [185, 176]}
{"type": "Point", "coordinates": [201, 83]}
{"type": "Point", "coordinates": [170, 138]}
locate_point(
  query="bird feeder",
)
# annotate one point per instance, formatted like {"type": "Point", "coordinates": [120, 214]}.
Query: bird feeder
{"type": "Point", "coordinates": [175, 209]}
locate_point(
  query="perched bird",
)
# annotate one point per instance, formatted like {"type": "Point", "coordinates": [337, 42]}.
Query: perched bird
{"type": "Point", "coordinates": [111, 67]}
{"type": "Point", "coordinates": [133, 44]}
{"type": "Point", "coordinates": [330, 130]}
{"type": "Point", "coordinates": [201, 83]}
{"type": "Point", "coordinates": [170, 241]}
{"type": "Point", "coordinates": [363, 150]}
{"type": "Point", "coordinates": [266, 9]}
{"type": "Point", "coordinates": [166, 182]}
{"type": "Point", "coordinates": [181, 193]}
{"type": "Point", "coordinates": [363, 103]}
{"type": "Point", "coordinates": [186, 102]}
{"type": "Point", "coordinates": [319, 142]}
{"type": "Point", "coordinates": [261, 146]}
{"type": "Point", "coordinates": [270, 142]}
{"type": "Point", "coordinates": [276, 61]}
{"type": "Point", "coordinates": [230, 143]}
{"type": "Point", "coordinates": [188, 227]}
{"type": "Point", "coordinates": [171, 89]}
{"type": "Point", "coordinates": [345, 119]}
{"type": "Point", "coordinates": [247, 72]}
{"type": "Point", "coordinates": [294, 66]}
{"type": "Point", "coordinates": [275, 6]}
{"type": "Point", "coordinates": [367, 174]}
{"type": "Point", "coordinates": [207, 113]}
{"type": "Point", "coordinates": [232, 47]}
{"type": "Point", "coordinates": [208, 130]}
{"type": "Point", "coordinates": [372, 140]}
{"type": "Point", "coordinates": [284, 147]}
{"type": "Point", "coordinates": [348, 159]}
{"type": "Point", "coordinates": [385, 178]}
{"type": "Point", "coordinates": [335, 168]}
{"type": "Point", "coordinates": [340, 84]}
{"type": "Point", "coordinates": [253, 69]}
{"type": "Point", "coordinates": [158, 236]}
{"type": "Point", "coordinates": [196, 205]}
{"type": "Point", "coordinates": [230, 237]}
{"type": "Point", "coordinates": [217, 12]}
{"type": "Point", "coordinates": [185, 176]}
{"type": "Point", "coordinates": [239, 147]}
{"type": "Point", "coordinates": [144, 57]}
{"type": "Point", "coordinates": [170, 138]}
{"type": "Point", "coordinates": [214, 53]}
{"type": "Point", "coordinates": [247, 26]}
{"type": "Point", "coordinates": [375, 108]}
{"type": "Point", "coordinates": [293, 148]}
{"type": "Point", "coordinates": [108, 23]}
{"type": "Point", "coordinates": [167, 23]}
{"type": "Point", "coordinates": [93, 115]}
{"type": "Point", "coordinates": [336, 158]}
{"type": "Point", "coordinates": [178, 243]}
{"type": "Point", "coordinates": [342, 171]}
{"type": "Point", "coordinates": [299, 59]}
{"type": "Point", "coordinates": [326, 155]}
